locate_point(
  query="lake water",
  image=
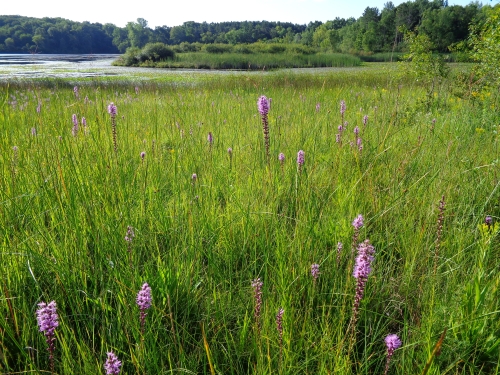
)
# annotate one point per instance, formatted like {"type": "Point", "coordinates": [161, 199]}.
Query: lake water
{"type": "Point", "coordinates": [26, 66]}
{"type": "Point", "coordinates": [19, 66]}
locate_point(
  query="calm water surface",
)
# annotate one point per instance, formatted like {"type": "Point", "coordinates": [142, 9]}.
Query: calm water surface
{"type": "Point", "coordinates": [18, 66]}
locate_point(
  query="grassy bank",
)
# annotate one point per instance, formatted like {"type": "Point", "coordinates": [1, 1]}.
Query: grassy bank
{"type": "Point", "coordinates": [210, 217]}
{"type": "Point", "coordinates": [261, 61]}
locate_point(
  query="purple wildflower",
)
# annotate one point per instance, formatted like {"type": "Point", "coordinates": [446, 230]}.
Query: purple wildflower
{"type": "Point", "coordinates": [358, 222]}
{"type": "Point", "coordinates": [75, 90]}
{"type": "Point", "coordinates": [488, 221]}
{"type": "Point", "coordinates": [318, 106]}
{"type": "Point", "coordinates": [279, 326]}
{"type": "Point", "coordinates": [340, 128]}
{"type": "Point", "coordinates": [47, 319]}
{"type": "Point", "coordinates": [300, 158]}
{"type": "Point", "coordinates": [210, 138]}
{"type": "Point", "coordinates": [86, 100]}
{"type": "Point", "coordinates": [39, 108]}
{"type": "Point", "coordinates": [143, 155]}
{"type": "Point", "coordinates": [315, 271]}
{"type": "Point", "coordinates": [230, 151]}
{"type": "Point", "coordinates": [356, 131]}
{"type": "Point", "coordinates": [112, 365]}
{"type": "Point", "coordinates": [33, 131]}
{"type": "Point", "coordinates": [359, 143]}
{"type": "Point", "coordinates": [74, 130]}
{"type": "Point", "coordinates": [263, 105]}
{"type": "Point", "coordinates": [362, 270]}
{"type": "Point", "coordinates": [130, 234]}
{"type": "Point", "coordinates": [365, 120]}
{"type": "Point", "coordinates": [136, 90]}
{"type": "Point", "coordinates": [144, 302]}
{"type": "Point", "coordinates": [112, 110]}
{"type": "Point", "coordinates": [440, 223]}
{"type": "Point", "coordinates": [339, 251]}
{"type": "Point", "coordinates": [84, 121]}
{"type": "Point", "coordinates": [342, 108]}
{"type": "Point", "coordinates": [194, 176]}
{"type": "Point", "coordinates": [337, 138]}
{"type": "Point", "coordinates": [281, 157]}
{"type": "Point", "coordinates": [257, 294]}
{"type": "Point", "coordinates": [392, 343]}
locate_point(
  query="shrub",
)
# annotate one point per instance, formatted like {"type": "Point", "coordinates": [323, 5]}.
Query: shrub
{"type": "Point", "coordinates": [217, 48]}
{"type": "Point", "coordinates": [155, 52]}
{"type": "Point", "coordinates": [276, 48]}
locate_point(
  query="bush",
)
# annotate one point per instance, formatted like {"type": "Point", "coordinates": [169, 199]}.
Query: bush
{"type": "Point", "coordinates": [130, 57]}
{"type": "Point", "coordinates": [243, 49]}
{"type": "Point", "coordinates": [276, 48]}
{"type": "Point", "coordinates": [155, 52]}
{"type": "Point", "coordinates": [301, 49]}
{"type": "Point", "coordinates": [217, 48]}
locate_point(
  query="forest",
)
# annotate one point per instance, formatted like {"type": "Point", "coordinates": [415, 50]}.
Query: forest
{"type": "Point", "coordinates": [375, 31]}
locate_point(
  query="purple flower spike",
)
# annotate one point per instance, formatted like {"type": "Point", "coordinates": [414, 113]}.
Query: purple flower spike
{"type": "Point", "coordinates": [362, 268]}
{"type": "Point", "coordinates": [358, 222]}
{"type": "Point", "coordinates": [230, 151]}
{"type": "Point", "coordinates": [144, 300]}
{"type": "Point", "coordinates": [488, 220]}
{"type": "Point", "coordinates": [315, 271]}
{"type": "Point", "coordinates": [365, 120]}
{"type": "Point", "coordinates": [144, 297]}
{"type": "Point", "coordinates": [143, 155]}
{"type": "Point", "coordinates": [356, 131]}
{"type": "Point", "coordinates": [47, 318]}
{"type": "Point", "coordinates": [301, 158]}
{"type": "Point", "coordinates": [194, 176]}
{"type": "Point", "coordinates": [279, 323]}
{"type": "Point", "coordinates": [210, 138]}
{"type": "Point", "coordinates": [263, 105]}
{"type": "Point", "coordinates": [257, 294]}
{"type": "Point", "coordinates": [281, 157]}
{"type": "Point", "coordinates": [342, 108]}
{"type": "Point", "coordinates": [130, 234]}
{"type": "Point", "coordinates": [392, 342]}
{"type": "Point", "coordinates": [318, 106]}
{"type": "Point", "coordinates": [112, 365]}
{"type": "Point", "coordinates": [112, 110]}
{"type": "Point", "coordinates": [339, 251]}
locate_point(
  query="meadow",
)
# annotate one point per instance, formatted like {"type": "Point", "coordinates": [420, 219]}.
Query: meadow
{"type": "Point", "coordinates": [249, 225]}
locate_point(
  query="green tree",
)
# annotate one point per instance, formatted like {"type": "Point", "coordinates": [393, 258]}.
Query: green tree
{"type": "Point", "coordinates": [139, 34]}
{"type": "Point", "coordinates": [485, 40]}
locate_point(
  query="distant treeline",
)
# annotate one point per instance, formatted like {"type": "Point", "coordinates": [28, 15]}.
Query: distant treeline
{"type": "Point", "coordinates": [375, 31]}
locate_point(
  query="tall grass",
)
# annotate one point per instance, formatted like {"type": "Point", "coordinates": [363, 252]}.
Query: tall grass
{"type": "Point", "coordinates": [67, 202]}
{"type": "Point", "coordinates": [261, 61]}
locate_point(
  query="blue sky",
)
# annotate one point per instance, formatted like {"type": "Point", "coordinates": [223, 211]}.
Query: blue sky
{"type": "Point", "coordinates": [176, 12]}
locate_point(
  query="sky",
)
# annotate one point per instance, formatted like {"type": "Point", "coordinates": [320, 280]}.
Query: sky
{"type": "Point", "coordinates": [174, 13]}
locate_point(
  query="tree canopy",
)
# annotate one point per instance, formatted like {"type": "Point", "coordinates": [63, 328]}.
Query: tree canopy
{"type": "Point", "coordinates": [377, 30]}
